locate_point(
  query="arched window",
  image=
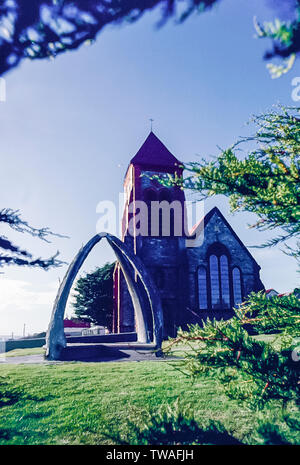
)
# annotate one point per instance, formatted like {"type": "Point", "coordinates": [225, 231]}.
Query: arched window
{"type": "Point", "coordinates": [164, 194]}
{"type": "Point", "coordinates": [219, 284]}
{"type": "Point", "coordinates": [202, 288]}
{"type": "Point", "coordinates": [225, 289]}
{"type": "Point", "coordinates": [150, 195]}
{"type": "Point", "coordinates": [214, 281]}
{"type": "Point", "coordinates": [237, 286]}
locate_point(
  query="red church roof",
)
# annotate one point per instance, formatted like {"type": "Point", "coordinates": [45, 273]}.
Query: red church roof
{"type": "Point", "coordinates": [154, 153]}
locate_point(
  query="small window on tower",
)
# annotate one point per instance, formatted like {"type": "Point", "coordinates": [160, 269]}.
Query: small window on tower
{"type": "Point", "coordinates": [164, 194]}
{"type": "Point", "coordinates": [150, 195]}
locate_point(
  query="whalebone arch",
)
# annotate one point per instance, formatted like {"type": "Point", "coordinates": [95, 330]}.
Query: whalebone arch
{"type": "Point", "coordinates": [130, 265]}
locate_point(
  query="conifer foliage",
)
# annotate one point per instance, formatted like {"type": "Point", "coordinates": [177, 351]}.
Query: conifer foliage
{"type": "Point", "coordinates": [94, 296]}
{"type": "Point", "coordinates": [252, 368]}
{"type": "Point", "coordinates": [255, 354]}
{"type": "Point", "coordinates": [12, 254]}
{"type": "Point", "coordinates": [266, 181]}
{"type": "Point", "coordinates": [47, 28]}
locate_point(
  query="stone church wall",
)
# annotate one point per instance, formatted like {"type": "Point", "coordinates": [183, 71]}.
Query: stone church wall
{"type": "Point", "coordinates": [216, 231]}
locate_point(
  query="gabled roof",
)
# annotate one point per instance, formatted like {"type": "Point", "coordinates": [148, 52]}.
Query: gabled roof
{"type": "Point", "coordinates": [154, 153]}
{"type": "Point", "coordinates": [205, 220]}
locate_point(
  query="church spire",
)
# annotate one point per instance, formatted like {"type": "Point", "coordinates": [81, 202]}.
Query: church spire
{"type": "Point", "coordinates": [154, 153]}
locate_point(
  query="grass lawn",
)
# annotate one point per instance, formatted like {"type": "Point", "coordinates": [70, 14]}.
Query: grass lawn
{"type": "Point", "coordinates": [76, 403]}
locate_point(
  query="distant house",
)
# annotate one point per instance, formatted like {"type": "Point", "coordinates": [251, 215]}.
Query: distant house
{"type": "Point", "coordinates": [297, 293]}
{"type": "Point", "coordinates": [94, 331]}
{"type": "Point", "coordinates": [271, 293]}
{"type": "Point", "coordinates": [75, 327]}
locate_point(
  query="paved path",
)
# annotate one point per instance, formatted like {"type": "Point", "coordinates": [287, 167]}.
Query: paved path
{"type": "Point", "coordinates": [124, 352]}
{"type": "Point", "coordinates": [22, 359]}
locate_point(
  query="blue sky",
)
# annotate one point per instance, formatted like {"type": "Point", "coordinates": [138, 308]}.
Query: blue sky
{"type": "Point", "coordinates": [69, 127]}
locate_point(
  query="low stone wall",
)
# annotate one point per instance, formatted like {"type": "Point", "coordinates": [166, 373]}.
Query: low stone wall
{"type": "Point", "coordinates": [40, 342]}
{"type": "Point", "coordinates": [24, 344]}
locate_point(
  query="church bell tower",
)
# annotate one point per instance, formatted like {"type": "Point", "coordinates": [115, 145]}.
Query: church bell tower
{"type": "Point", "coordinates": [153, 226]}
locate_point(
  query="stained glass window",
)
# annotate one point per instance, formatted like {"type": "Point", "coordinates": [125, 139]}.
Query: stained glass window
{"type": "Point", "coordinates": [202, 288]}
{"type": "Point", "coordinates": [225, 281]}
{"type": "Point", "coordinates": [237, 289]}
{"type": "Point", "coordinates": [214, 281]}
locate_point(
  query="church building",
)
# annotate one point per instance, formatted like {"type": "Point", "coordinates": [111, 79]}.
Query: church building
{"type": "Point", "coordinates": [196, 280]}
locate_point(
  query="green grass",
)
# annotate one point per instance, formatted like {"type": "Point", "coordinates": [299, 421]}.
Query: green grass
{"type": "Point", "coordinates": [23, 352]}
{"type": "Point", "coordinates": [76, 403]}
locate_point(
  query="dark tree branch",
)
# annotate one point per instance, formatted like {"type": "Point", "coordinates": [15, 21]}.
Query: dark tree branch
{"type": "Point", "coordinates": [13, 254]}
{"type": "Point", "coordinates": [45, 28]}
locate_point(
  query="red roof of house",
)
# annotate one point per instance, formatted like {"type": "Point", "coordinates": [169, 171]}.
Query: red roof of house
{"type": "Point", "coordinates": [154, 153]}
{"type": "Point", "coordinates": [76, 324]}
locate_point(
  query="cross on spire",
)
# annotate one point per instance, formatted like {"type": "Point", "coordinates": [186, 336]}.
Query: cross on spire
{"type": "Point", "coordinates": [151, 123]}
